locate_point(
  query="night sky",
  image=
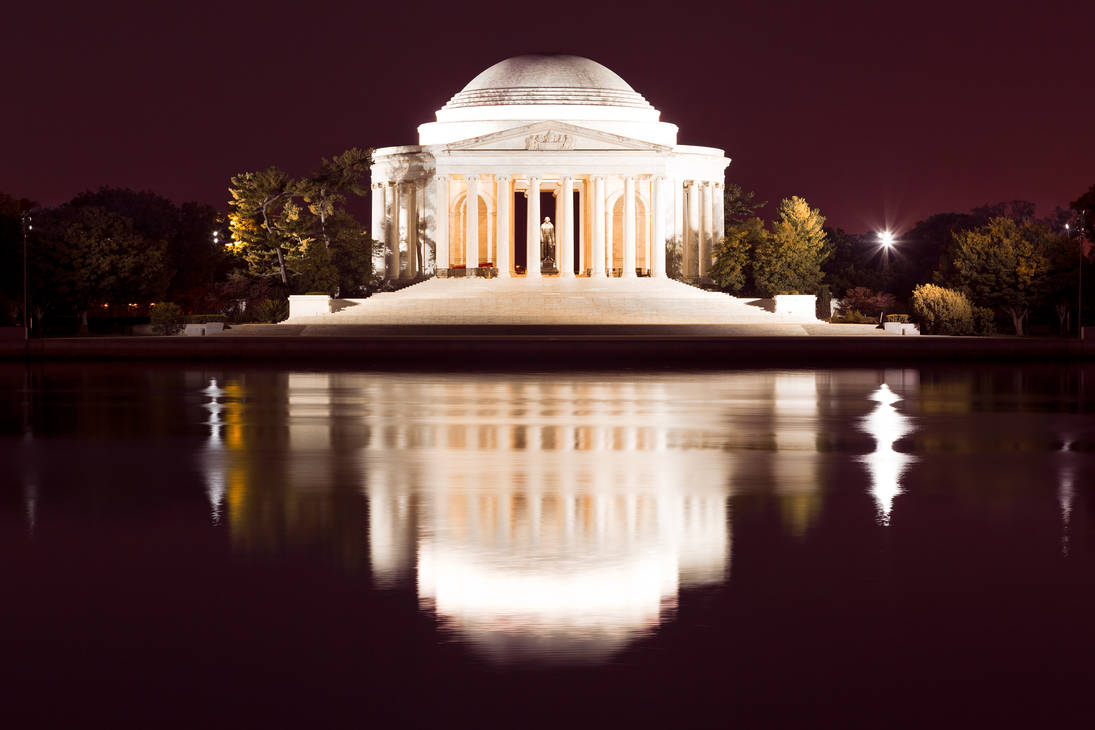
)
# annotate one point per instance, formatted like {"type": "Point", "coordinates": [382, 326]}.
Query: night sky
{"type": "Point", "coordinates": [877, 112]}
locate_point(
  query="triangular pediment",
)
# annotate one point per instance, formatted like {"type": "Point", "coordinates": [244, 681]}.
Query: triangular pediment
{"type": "Point", "coordinates": [553, 136]}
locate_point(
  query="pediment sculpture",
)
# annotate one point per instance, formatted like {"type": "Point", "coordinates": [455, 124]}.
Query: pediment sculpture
{"type": "Point", "coordinates": [549, 141]}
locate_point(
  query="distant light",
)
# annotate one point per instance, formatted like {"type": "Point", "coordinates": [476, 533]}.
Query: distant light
{"type": "Point", "coordinates": [886, 238]}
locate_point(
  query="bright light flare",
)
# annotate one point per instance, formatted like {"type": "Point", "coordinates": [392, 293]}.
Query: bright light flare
{"type": "Point", "coordinates": [886, 238]}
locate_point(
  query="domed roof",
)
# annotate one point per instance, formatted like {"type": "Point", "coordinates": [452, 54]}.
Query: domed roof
{"type": "Point", "coordinates": [548, 79]}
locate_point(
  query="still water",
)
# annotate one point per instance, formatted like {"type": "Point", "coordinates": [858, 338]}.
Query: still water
{"type": "Point", "coordinates": [210, 546]}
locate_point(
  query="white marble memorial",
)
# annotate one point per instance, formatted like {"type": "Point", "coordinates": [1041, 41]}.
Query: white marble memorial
{"type": "Point", "coordinates": [610, 177]}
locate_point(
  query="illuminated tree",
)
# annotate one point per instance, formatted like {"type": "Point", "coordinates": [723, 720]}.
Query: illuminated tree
{"type": "Point", "coordinates": [1003, 264]}
{"type": "Point", "coordinates": [730, 270]}
{"type": "Point", "coordinates": [262, 220]}
{"type": "Point", "coordinates": [788, 259]}
{"type": "Point", "coordinates": [301, 226]}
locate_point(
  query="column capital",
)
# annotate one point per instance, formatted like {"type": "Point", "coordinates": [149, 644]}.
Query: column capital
{"type": "Point", "coordinates": [378, 186]}
{"type": "Point", "coordinates": [471, 178]}
{"type": "Point", "coordinates": [501, 178]}
{"type": "Point", "coordinates": [598, 178]}
{"type": "Point", "coordinates": [441, 178]}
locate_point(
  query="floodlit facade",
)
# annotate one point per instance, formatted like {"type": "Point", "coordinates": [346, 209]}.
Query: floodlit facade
{"type": "Point", "coordinates": [572, 174]}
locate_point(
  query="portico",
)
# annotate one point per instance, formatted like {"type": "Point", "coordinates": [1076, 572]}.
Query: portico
{"type": "Point", "coordinates": [556, 137]}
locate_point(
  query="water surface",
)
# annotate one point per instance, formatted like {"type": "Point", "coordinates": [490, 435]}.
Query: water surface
{"type": "Point", "coordinates": [192, 546]}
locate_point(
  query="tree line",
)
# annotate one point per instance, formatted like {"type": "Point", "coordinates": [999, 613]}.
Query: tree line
{"type": "Point", "coordinates": [1003, 262]}
{"type": "Point", "coordinates": [115, 252]}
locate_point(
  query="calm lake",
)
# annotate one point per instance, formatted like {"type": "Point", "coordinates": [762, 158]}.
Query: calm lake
{"type": "Point", "coordinates": [199, 546]}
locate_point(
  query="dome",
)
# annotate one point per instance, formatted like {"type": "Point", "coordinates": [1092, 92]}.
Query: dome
{"type": "Point", "coordinates": [548, 79]}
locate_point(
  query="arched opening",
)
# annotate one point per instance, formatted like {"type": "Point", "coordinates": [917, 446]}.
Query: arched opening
{"type": "Point", "coordinates": [458, 234]}
{"type": "Point", "coordinates": [642, 259]}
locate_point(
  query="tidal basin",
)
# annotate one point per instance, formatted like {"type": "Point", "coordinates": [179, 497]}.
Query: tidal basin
{"type": "Point", "coordinates": [210, 545]}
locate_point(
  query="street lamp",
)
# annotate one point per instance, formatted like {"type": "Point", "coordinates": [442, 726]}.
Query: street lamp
{"type": "Point", "coordinates": [886, 239]}
{"type": "Point", "coordinates": [1080, 272]}
{"type": "Point", "coordinates": [27, 226]}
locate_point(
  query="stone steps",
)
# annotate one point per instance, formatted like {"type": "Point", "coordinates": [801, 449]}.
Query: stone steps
{"type": "Point", "coordinates": [551, 301]}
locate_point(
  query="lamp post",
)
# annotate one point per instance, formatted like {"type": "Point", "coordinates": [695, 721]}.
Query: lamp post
{"type": "Point", "coordinates": [886, 240]}
{"type": "Point", "coordinates": [1080, 272]}
{"type": "Point", "coordinates": [27, 226]}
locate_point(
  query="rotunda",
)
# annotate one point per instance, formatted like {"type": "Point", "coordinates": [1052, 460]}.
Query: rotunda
{"type": "Point", "coordinates": [570, 171]}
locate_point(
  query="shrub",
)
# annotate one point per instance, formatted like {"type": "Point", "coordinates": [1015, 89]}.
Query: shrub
{"type": "Point", "coordinates": [853, 316]}
{"type": "Point", "coordinates": [901, 318]}
{"type": "Point", "coordinates": [271, 310]}
{"type": "Point", "coordinates": [984, 321]}
{"type": "Point", "coordinates": [167, 318]}
{"type": "Point", "coordinates": [942, 311]}
{"type": "Point", "coordinates": [868, 302]}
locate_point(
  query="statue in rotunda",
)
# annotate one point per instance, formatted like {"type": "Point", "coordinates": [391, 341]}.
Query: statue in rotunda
{"type": "Point", "coordinates": [547, 243]}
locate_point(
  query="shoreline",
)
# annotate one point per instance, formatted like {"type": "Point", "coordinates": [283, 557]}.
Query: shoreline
{"type": "Point", "coordinates": [702, 347]}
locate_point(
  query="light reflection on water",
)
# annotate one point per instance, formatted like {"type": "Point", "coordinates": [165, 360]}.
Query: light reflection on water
{"type": "Point", "coordinates": [541, 517]}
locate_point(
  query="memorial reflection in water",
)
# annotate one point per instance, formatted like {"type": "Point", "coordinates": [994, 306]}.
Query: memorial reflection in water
{"type": "Point", "coordinates": [536, 516]}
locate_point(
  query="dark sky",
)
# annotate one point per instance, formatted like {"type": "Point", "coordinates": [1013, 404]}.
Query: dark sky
{"type": "Point", "coordinates": [877, 112]}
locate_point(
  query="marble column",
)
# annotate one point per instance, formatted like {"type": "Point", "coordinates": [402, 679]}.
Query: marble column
{"type": "Point", "coordinates": [692, 227]}
{"type": "Point", "coordinates": [557, 221]}
{"type": "Point", "coordinates": [678, 222]}
{"type": "Point", "coordinates": [566, 259]}
{"type": "Point", "coordinates": [532, 237]}
{"type": "Point", "coordinates": [706, 245]}
{"type": "Point", "coordinates": [379, 228]}
{"type": "Point", "coordinates": [598, 268]}
{"type": "Point", "coordinates": [720, 212]}
{"type": "Point", "coordinates": [629, 227]}
{"type": "Point", "coordinates": [441, 215]}
{"type": "Point", "coordinates": [471, 234]}
{"type": "Point", "coordinates": [501, 237]}
{"type": "Point", "coordinates": [391, 265]}
{"type": "Point", "coordinates": [410, 190]}
{"type": "Point", "coordinates": [657, 263]}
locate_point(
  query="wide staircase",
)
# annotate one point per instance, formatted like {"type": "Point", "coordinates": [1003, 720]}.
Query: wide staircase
{"type": "Point", "coordinates": [475, 301]}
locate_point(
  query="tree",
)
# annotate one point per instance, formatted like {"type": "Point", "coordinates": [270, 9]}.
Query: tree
{"type": "Point", "coordinates": [852, 262]}
{"type": "Point", "coordinates": [731, 268]}
{"type": "Point", "coordinates": [789, 258]}
{"type": "Point", "coordinates": [1003, 264]}
{"type": "Point", "coordinates": [325, 190]}
{"type": "Point", "coordinates": [195, 261]}
{"type": "Point", "coordinates": [1085, 204]}
{"type": "Point", "coordinates": [301, 226]}
{"type": "Point", "coordinates": [88, 255]}
{"type": "Point", "coordinates": [263, 221]}
{"type": "Point", "coordinates": [738, 205]}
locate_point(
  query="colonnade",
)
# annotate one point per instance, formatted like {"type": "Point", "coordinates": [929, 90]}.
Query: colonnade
{"type": "Point", "coordinates": [409, 215]}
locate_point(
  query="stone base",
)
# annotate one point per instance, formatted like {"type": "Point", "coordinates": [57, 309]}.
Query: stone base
{"type": "Point", "coordinates": [483, 272]}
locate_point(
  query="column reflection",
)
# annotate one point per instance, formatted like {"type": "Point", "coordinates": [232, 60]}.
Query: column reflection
{"type": "Point", "coordinates": [537, 517]}
{"type": "Point", "coordinates": [549, 519]}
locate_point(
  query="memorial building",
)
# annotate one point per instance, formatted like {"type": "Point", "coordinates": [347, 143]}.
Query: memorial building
{"type": "Point", "coordinates": [569, 172]}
